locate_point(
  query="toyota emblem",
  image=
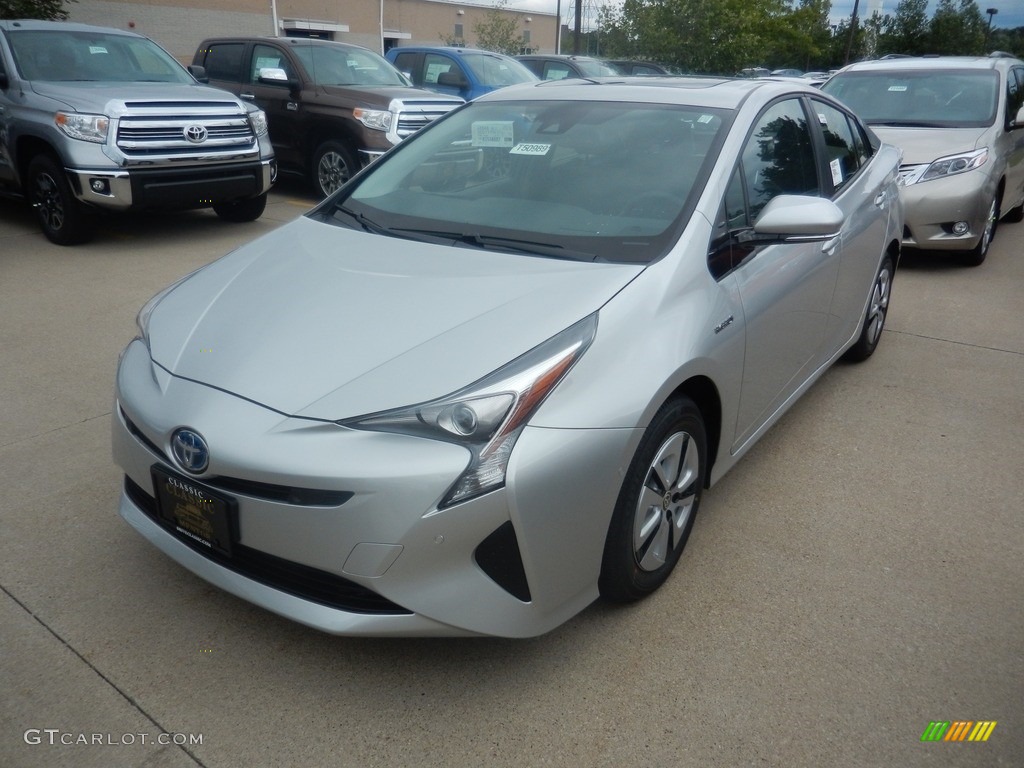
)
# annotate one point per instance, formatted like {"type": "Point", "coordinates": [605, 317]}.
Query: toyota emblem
{"type": "Point", "coordinates": [190, 450]}
{"type": "Point", "coordinates": [195, 133]}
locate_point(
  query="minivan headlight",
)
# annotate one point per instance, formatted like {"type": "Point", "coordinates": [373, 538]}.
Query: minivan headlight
{"type": "Point", "coordinates": [948, 166]}
{"type": "Point", "coordinates": [487, 417]}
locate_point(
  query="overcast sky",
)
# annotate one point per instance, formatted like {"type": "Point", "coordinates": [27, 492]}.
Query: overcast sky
{"type": "Point", "coordinates": [1011, 12]}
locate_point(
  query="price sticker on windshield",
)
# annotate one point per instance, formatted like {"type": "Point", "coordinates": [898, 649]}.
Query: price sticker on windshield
{"type": "Point", "coordinates": [530, 149]}
{"type": "Point", "coordinates": [492, 133]}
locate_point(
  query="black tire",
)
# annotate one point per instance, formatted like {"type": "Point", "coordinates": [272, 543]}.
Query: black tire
{"type": "Point", "coordinates": [877, 312]}
{"type": "Point", "coordinates": [61, 216]}
{"type": "Point", "coordinates": [657, 505]}
{"type": "Point", "coordinates": [976, 256]}
{"type": "Point", "coordinates": [332, 166]}
{"type": "Point", "coordinates": [242, 210]}
{"type": "Point", "coordinates": [1015, 215]}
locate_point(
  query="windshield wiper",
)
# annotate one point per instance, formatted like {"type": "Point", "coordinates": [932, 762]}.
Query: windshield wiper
{"type": "Point", "coordinates": [908, 124]}
{"type": "Point", "coordinates": [507, 244]}
{"type": "Point", "coordinates": [365, 222]}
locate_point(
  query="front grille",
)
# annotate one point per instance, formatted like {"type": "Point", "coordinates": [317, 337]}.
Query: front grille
{"type": "Point", "coordinates": [159, 128]}
{"type": "Point", "coordinates": [416, 114]}
{"type": "Point", "coordinates": [282, 494]}
{"type": "Point", "coordinates": [294, 578]}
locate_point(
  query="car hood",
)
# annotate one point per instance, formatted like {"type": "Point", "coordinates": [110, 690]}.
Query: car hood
{"type": "Point", "coordinates": [923, 145]}
{"type": "Point", "coordinates": [95, 97]}
{"type": "Point", "coordinates": [381, 95]}
{"type": "Point", "coordinates": [324, 322]}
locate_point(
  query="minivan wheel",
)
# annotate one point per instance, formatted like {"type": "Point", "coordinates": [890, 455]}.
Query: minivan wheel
{"type": "Point", "coordinates": [657, 505]}
{"type": "Point", "coordinates": [60, 215]}
{"type": "Point", "coordinates": [332, 166]}
{"type": "Point", "coordinates": [1015, 215]}
{"type": "Point", "coordinates": [976, 256]}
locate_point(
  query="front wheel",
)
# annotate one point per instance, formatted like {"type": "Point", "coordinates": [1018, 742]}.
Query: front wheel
{"type": "Point", "coordinates": [242, 210]}
{"type": "Point", "coordinates": [657, 505]}
{"type": "Point", "coordinates": [60, 215]}
{"type": "Point", "coordinates": [332, 166]}
{"type": "Point", "coordinates": [976, 256]}
{"type": "Point", "coordinates": [874, 318]}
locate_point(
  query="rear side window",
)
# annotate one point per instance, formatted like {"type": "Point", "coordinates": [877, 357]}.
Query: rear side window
{"type": "Point", "coordinates": [841, 153]}
{"type": "Point", "coordinates": [406, 62]}
{"type": "Point", "coordinates": [224, 61]}
{"type": "Point", "coordinates": [1014, 92]}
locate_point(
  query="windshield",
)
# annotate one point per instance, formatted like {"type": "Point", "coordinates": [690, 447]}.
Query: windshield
{"type": "Point", "coordinates": [498, 71]}
{"type": "Point", "coordinates": [595, 181]}
{"type": "Point", "coordinates": [938, 98]}
{"type": "Point", "coordinates": [92, 56]}
{"type": "Point", "coordinates": [340, 65]}
{"type": "Point", "coordinates": [595, 68]}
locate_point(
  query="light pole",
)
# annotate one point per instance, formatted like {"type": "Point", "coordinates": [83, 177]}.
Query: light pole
{"type": "Point", "coordinates": [991, 12]}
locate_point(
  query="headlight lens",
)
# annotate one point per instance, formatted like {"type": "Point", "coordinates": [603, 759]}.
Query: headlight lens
{"type": "Point", "coordinates": [487, 417]}
{"type": "Point", "coordinates": [378, 119]}
{"type": "Point", "coordinates": [82, 126]}
{"type": "Point", "coordinates": [258, 121]}
{"type": "Point", "coordinates": [947, 166]}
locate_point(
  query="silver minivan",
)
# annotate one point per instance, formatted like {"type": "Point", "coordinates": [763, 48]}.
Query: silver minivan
{"type": "Point", "coordinates": [960, 124]}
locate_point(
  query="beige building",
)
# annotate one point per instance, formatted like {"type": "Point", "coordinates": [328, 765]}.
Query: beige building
{"type": "Point", "coordinates": [180, 25]}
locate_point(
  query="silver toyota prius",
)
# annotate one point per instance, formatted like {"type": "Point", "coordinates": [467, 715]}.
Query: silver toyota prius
{"type": "Point", "coordinates": [489, 380]}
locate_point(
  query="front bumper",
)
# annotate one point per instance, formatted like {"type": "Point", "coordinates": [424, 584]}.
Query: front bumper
{"type": "Point", "coordinates": [369, 553]}
{"type": "Point", "coordinates": [197, 186]}
{"type": "Point", "coordinates": [933, 206]}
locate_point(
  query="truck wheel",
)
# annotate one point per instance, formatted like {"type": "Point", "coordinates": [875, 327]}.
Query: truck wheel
{"type": "Point", "coordinates": [242, 210]}
{"type": "Point", "coordinates": [332, 166]}
{"type": "Point", "coordinates": [61, 217]}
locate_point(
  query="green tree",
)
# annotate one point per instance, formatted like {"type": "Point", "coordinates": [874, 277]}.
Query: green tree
{"type": "Point", "coordinates": [907, 30]}
{"type": "Point", "coordinates": [499, 32]}
{"type": "Point", "coordinates": [33, 9]}
{"type": "Point", "coordinates": [957, 28]}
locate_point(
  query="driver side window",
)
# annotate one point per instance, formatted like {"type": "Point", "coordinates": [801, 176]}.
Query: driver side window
{"type": "Point", "coordinates": [778, 158]}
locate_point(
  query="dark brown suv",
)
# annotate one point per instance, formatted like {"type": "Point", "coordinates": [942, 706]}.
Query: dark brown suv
{"type": "Point", "coordinates": [331, 107]}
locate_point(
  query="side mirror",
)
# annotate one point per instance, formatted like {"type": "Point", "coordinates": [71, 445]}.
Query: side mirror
{"type": "Point", "coordinates": [797, 219]}
{"type": "Point", "coordinates": [453, 79]}
{"type": "Point", "coordinates": [1018, 121]}
{"type": "Point", "coordinates": [277, 76]}
{"type": "Point", "coordinates": [198, 72]}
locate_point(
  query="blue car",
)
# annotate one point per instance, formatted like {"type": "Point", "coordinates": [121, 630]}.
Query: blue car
{"type": "Point", "coordinates": [464, 72]}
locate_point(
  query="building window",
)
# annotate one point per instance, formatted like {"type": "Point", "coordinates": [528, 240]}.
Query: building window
{"type": "Point", "coordinates": [458, 32]}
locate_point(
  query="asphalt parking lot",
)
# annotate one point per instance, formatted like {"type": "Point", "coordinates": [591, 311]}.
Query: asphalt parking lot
{"type": "Point", "coordinates": [859, 575]}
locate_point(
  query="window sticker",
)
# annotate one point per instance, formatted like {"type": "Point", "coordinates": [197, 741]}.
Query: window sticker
{"type": "Point", "coordinates": [530, 149]}
{"type": "Point", "coordinates": [97, 49]}
{"type": "Point", "coordinates": [897, 88]}
{"type": "Point", "coordinates": [705, 118]}
{"type": "Point", "coordinates": [492, 133]}
{"type": "Point", "coordinates": [836, 166]}
{"type": "Point", "coordinates": [268, 62]}
{"type": "Point", "coordinates": [822, 119]}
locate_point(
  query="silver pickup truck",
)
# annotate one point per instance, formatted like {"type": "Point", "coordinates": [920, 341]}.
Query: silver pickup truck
{"type": "Point", "coordinates": [94, 118]}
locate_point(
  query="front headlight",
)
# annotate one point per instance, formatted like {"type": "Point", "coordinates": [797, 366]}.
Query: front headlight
{"type": "Point", "coordinates": [82, 126]}
{"type": "Point", "coordinates": [258, 121]}
{"type": "Point", "coordinates": [487, 417]}
{"type": "Point", "coordinates": [378, 119]}
{"type": "Point", "coordinates": [947, 166]}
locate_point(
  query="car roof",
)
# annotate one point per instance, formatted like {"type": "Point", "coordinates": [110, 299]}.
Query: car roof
{"type": "Point", "coordinates": [67, 26]}
{"type": "Point", "coordinates": [711, 92]}
{"type": "Point", "coordinates": [292, 41]}
{"type": "Point", "coordinates": [446, 48]}
{"type": "Point", "coordinates": [914, 63]}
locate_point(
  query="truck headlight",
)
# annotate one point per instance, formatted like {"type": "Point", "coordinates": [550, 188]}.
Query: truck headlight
{"type": "Point", "coordinates": [258, 121]}
{"type": "Point", "coordinates": [377, 119]}
{"type": "Point", "coordinates": [82, 126]}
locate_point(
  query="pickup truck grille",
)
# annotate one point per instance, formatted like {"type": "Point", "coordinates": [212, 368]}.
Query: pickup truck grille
{"type": "Point", "coordinates": [413, 115]}
{"type": "Point", "coordinates": [163, 128]}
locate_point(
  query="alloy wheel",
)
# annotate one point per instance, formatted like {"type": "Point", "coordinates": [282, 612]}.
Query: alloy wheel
{"type": "Point", "coordinates": [666, 502]}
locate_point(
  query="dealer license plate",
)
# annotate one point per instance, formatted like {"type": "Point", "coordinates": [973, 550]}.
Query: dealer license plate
{"type": "Point", "coordinates": [194, 511]}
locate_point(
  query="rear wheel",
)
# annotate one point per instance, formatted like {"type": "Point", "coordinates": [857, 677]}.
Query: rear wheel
{"type": "Point", "coordinates": [242, 210]}
{"type": "Point", "coordinates": [657, 505]}
{"type": "Point", "coordinates": [332, 166]}
{"type": "Point", "coordinates": [874, 318]}
{"type": "Point", "coordinates": [1015, 215]}
{"type": "Point", "coordinates": [61, 216]}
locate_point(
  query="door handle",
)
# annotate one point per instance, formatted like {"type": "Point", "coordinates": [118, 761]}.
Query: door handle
{"type": "Point", "coordinates": [249, 96]}
{"type": "Point", "coordinates": [880, 199]}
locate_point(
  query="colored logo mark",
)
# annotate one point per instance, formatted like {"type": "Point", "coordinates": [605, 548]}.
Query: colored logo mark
{"type": "Point", "coordinates": [958, 730]}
